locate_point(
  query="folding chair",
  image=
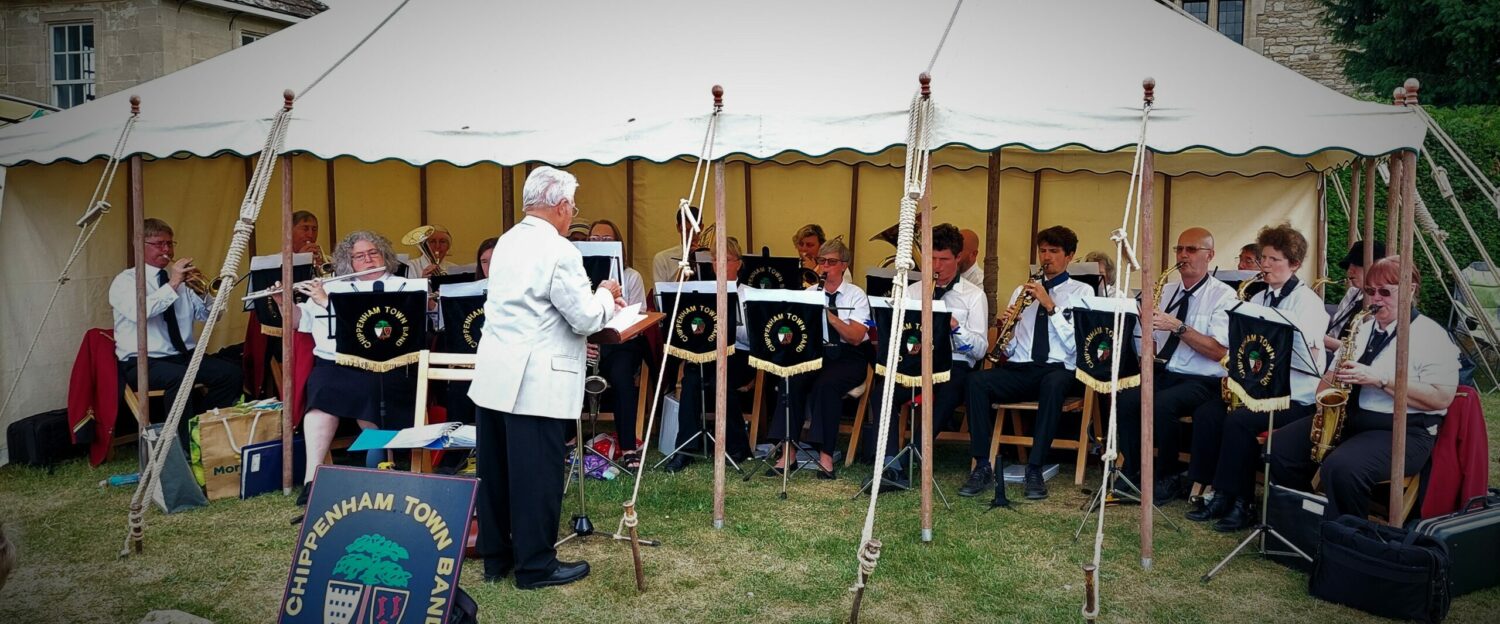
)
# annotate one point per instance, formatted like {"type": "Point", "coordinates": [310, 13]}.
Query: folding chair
{"type": "Point", "coordinates": [432, 366]}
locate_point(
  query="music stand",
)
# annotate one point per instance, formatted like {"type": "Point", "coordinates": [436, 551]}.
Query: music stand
{"type": "Point", "coordinates": [908, 337]}
{"type": "Point", "coordinates": [378, 329]}
{"type": "Point", "coordinates": [266, 271]}
{"type": "Point", "coordinates": [767, 272]}
{"type": "Point", "coordinates": [1238, 314]}
{"type": "Point", "coordinates": [602, 260]}
{"type": "Point", "coordinates": [785, 341]}
{"type": "Point", "coordinates": [880, 280]}
{"type": "Point", "coordinates": [695, 342]}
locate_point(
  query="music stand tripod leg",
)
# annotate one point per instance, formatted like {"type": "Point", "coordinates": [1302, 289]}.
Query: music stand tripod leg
{"type": "Point", "coordinates": [1262, 528]}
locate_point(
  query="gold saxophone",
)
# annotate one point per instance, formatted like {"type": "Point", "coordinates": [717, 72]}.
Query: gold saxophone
{"type": "Point", "coordinates": [1012, 316]}
{"type": "Point", "coordinates": [1232, 402]}
{"type": "Point", "coordinates": [1161, 282]}
{"type": "Point", "coordinates": [1333, 402]}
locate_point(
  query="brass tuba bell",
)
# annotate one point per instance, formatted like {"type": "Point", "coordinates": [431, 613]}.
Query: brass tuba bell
{"type": "Point", "coordinates": [417, 237]}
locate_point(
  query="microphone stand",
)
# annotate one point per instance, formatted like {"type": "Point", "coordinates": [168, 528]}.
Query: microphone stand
{"type": "Point", "coordinates": [593, 386]}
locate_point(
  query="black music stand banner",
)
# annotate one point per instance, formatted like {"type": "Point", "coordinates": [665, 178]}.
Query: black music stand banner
{"type": "Point", "coordinates": [379, 331]}
{"type": "Point", "coordinates": [1260, 357]}
{"type": "Point", "coordinates": [1098, 347]}
{"type": "Point", "coordinates": [787, 330]}
{"type": "Point", "coordinates": [879, 281]}
{"type": "Point", "coordinates": [462, 308]}
{"type": "Point", "coordinates": [909, 341]}
{"type": "Point", "coordinates": [266, 271]}
{"type": "Point", "coordinates": [768, 273]}
{"type": "Point", "coordinates": [694, 333]}
{"type": "Point", "coordinates": [602, 260]}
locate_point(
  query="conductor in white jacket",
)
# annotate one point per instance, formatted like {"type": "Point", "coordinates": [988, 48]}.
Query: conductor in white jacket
{"type": "Point", "coordinates": [528, 383]}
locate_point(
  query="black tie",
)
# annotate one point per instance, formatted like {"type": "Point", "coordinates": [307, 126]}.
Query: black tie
{"type": "Point", "coordinates": [1377, 343]}
{"type": "Point", "coordinates": [1039, 347]}
{"type": "Point", "coordinates": [1274, 300]}
{"type": "Point", "coordinates": [833, 301]}
{"type": "Point", "coordinates": [174, 333]}
{"type": "Point", "coordinates": [1181, 305]}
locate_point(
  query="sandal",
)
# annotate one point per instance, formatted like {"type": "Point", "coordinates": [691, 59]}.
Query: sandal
{"type": "Point", "coordinates": [631, 459]}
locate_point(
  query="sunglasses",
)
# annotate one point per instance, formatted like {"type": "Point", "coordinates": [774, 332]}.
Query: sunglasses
{"type": "Point", "coordinates": [1192, 249]}
{"type": "Point", "coordinates": [1383, 291]}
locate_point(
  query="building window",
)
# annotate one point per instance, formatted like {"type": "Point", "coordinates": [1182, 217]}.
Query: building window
{"type": "Point", "coordinates": [72, 64]}
{"type": "Point", "coordinates": [1197, 8]}
{"type": "Point", "coordinates": [247, 37]}
{"type": "Point", "coordinates": [1232, 19]}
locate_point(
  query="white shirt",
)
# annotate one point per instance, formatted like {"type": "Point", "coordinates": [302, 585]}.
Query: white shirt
{"type": "Point", "coordinates": [1059, 326]}
{"type": "Point", "coordinates": [853, 305]}
{"type": "Point", "coordinates": [1344, 312]}
{"type": "Point", "coordinates": [632, 289]}
{"type": "Point", "coordinates": [420, 263]}
{"type": "Point", "coordinates": [1433, 360]}
{"type": "Point", "coordinates": [1304, 309]}
{"type": "Point", "coordinates": [741, 333]}
{"type": "Point", "coordinates": [1212, 298]}
{"type": "Point", "coordinates": [159, 300]}
{"type": "Point", "coordinates": [314, 319]}
{"type": "Point", "coordinates": [975, 275]}
{"type": "Point", "coordinates": [966, 303]}
{"type": "Point", "coordinates": [664, 264]}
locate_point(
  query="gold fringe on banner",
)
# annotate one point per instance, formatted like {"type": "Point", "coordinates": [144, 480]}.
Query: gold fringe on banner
{"type": "Point", "coordinates": [1259, 405]}
{"type": "Point", "coordinates": [696, 358]}
{"type": "Point", "coordinates": [378, 367]}
{"type": "Point", "coordinates": [1103, 386]}
{"type": "Point", "coordinates": [786, 371]}
{"type": "Point", "coordinates": [912, 381]}
{"type": "Point", "coordinates": [267, 330]}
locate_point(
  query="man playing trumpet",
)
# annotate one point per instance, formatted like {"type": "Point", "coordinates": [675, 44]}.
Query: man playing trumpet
{"type": "Point", "coordinates": [171, 308]}
{"type": "Point", "coordinates": [1188, 372]}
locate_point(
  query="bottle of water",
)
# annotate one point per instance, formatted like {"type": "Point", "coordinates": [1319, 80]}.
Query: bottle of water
{"type": "Point", "coordinates": [121, 479]}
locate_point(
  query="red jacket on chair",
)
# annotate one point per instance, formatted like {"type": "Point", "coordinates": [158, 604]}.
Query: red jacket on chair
{"type": "Point", "coordinates": [94, 392]}
{"type": "Point", "coordinates": [1460, 457]}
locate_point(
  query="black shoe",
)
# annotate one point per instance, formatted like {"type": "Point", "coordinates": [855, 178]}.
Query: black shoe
{"type": "Point", "coordinates": [1036, 487]}
{"type": "Point", "coordinates": [1166, 490]}
{"type": "Point", "coordinates": [302, 496]}
{"type": "Point", "coordinates": [1215, 509]}
{"type": "Point", "coordinates": [827, 475]}
{"type": "Point", "coordinates": [892, 480]}
{"type": "Point", "coordinates": [980, 479]}
{"type": "Point", "coordinates": [566, 572]}
{"type": "Point", "coordinates": [772, 472]}
{"type": "Point", "coordinates": [1240, 517]}
{"type": "Point", "coordinates": [678, 462]}
{"type": "Point", "coordinates": [496, 569]}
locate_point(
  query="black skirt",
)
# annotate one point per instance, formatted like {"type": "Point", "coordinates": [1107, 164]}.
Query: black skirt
{"type": "Point", "coordinates": [387, 399]}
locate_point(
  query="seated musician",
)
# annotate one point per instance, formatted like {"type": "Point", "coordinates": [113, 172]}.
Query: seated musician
{"type": "Point", "coordinates": [305, 233]}
{"type": "Point", "coordinates": [1188, 372]}
{"type": "Point", "coordinates": [1040, 362]}
{"type": "Point", "coordinates": [819, 395]}
{"type": "Point", "coordinates": [171, 308]}
{"type": "Point", "coordinates": [619, 363]}
{"type": "Point", "coordinates": [1229, 442]}
{"type": "Point", "coordinates": [665, 263]}
{"type": "Point", "coordinates": [439, 244]}
{"type": "Point", "coordinates": [698, 387]}
{"type": "Point", "coordinates": [1363, 458]}
{"type": "Point", "coordinates": [809, 240]}
{"type": "Point", "coordinates": [1106, 272]}
{"type": "Point", "coordinates": [1353, 265]}
{"type": "Point", "coordinates": [968, 263]}
{"type": "Point", "coordinates": [968, 330]}
{"type": "Point", "coordinates": [1249, 259]}
{"type": "Point", "coordinates": [376, 400]}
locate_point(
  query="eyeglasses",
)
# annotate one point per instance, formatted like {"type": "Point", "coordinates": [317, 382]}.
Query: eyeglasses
{"type": "Point", "coordinates": [1383, 291]}
{"type": "Point", "coordinates": [574, 205]}
{"type": "Point", "coordinates": [369, 256]}
{"type": "Point", "coordinates": [163, 244]}
{"type": "Point", "coordinates": [829, 261]}
{"type": "Point", "coordinates": [1192, 249]}
{"type": "Point", "coordinates": [601, 238]}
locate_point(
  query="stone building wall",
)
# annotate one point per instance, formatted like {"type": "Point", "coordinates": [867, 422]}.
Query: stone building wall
{"type": "Point", "coordinates": [1292, 33]}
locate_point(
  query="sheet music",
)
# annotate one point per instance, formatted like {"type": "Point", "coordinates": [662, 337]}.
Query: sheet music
{"type": "Point", "coordinates": [627, 316]}
{"type": "Point", "coordinates": [417, 437]}
{"type": "Point", "coordinates": [273, 261]}
{"type": "Point", "coordinates": [464, 289]}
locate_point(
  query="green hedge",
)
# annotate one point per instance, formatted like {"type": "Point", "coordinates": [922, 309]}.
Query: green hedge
{"type": "Point", "coordinates": [1476, 129]}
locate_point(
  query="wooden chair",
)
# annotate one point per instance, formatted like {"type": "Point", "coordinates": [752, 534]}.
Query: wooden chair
{"type": "Point", "coordinates": [758, 412]}
{"type": "Point", "coordinates": [1086, 406]}
{"type": "Point", "coordinates": [1380, 494]}
{"type": "Point", "coordinates": [903, 420]}
{"type": "Point", "coordinates": [433, 366]}
{"type": "Point", "coordinates": [132, 402]}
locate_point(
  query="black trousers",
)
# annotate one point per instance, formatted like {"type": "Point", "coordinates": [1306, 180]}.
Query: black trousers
{"type": "Point", "coordinates": [619, 365]}
{"type": "Point", "coordinates": [948, 396]}
{"type": "Point", "coordinates": [520, 490]}
{"type": "Point", "coordinates": [1047, 384]}
{"type": "Point", "coordinates": [1351, 469]}
{"type": "Point", "coordinates": [819, 397]}
{"type": "Point", "coordinates": [1176, 394]}
{"type": "Point", "coordinates": [224, 383]}
{"type": "Point", "coordinates": [1208, 432]}
{"type": "Point", "coordinates": [1239, 448]}
{"type": "Point", "coordinates": [698, 389]}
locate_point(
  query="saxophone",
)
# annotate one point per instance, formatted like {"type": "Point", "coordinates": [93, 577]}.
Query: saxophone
{"type": "Point", "coordinates": [1161, 282]}
{"type": "Point", "coordinates": [1012, 316]}
{"type": "Point", "coordinates": [1333, 403]}
{"type": "Point", "coordinates": [1232, 402]}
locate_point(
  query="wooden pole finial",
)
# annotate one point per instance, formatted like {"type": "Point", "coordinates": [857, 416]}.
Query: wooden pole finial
{"type": "Point", "coordinates": [718, 92]}
{"type": "Point", "coordinates": [135, 104]}
{"type": "Point", "coordinates": [1411, 88]}
{"type": "Point", "coordinates": [1398, 97]}
{"type": "Point", "coordinates": [1149, 86]}
{"type": "Point", "coordinates": [287, 97]}
{"type": "Point", "coordinates": [925, 79]}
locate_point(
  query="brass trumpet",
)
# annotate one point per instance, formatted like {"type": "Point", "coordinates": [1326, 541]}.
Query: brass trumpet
{"type": "Point", "coordinates": [199, 283]}
{"type": "Point", "coordinates": [418, 238]}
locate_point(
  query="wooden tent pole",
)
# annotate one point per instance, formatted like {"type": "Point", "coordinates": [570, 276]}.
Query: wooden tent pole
{"type": "Point", "coordinates": [1406, 187]}
{"type": "Point", "coordinates": [853, 208]}
{"type": "Point", "coordinates": [927, 338]}
{"type": "Point", "coordinates": [1369, 180]}
{"type": "Point", "coordinates": [1393, 194]}
{"type": "Point", "coordinates": [137, 205]}
{"type": "Point", "coordinates": [1354, 205]}
{"type": "Point", "coordinates": [721, 334]}
{"type": "Point", "coordinates": [992, 234]}
{"type": "Point", "coordinates": [1148, 341]}
{"type": "Point", "coordinates": [289, 315]}
{"type": "Point", "coordinates": [507, 198]}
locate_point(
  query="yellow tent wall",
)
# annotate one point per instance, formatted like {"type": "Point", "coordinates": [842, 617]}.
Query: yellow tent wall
{"type": "Point", "coordinates": [200, 199]}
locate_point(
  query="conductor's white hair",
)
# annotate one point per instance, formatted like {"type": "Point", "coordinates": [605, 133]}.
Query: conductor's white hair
{"type": "Point", "coordinates": [547, 187]}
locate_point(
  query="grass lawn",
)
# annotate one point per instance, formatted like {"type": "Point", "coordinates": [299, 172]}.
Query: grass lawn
{"type": "Point", "coordinates": [775, 561]}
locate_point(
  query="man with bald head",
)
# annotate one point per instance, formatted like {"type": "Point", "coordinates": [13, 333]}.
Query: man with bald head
{"type": "Point", "coordinates": [1188, 372]}
{"type": "Point", "coordinates": [968, 261]}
